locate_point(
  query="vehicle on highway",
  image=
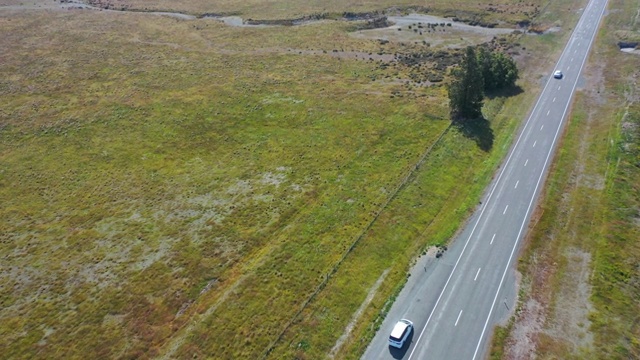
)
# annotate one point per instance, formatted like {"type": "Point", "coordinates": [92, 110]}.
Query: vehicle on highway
{"type": "Point", "coordinates": [557, 74]}
{"type": "Point", "coordinates": [400, 333]}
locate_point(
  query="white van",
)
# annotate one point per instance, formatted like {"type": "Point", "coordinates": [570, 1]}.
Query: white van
{"type": "Point", "coordinates": [400, 333]}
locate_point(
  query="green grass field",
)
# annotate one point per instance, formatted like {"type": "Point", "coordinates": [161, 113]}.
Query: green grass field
{"type": "Point", "coordinates": [174, 188]}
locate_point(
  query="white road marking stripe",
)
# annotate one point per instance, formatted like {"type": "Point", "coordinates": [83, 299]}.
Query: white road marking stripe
{"type": "Point", "coordinates": [494, 236]}
{"type": "Point", "coordinates": [548, 111]}
{"type": "Point", "coordinates": [505, 209]}
{"type": "Point", "coordinates": [456, 324]}
{"type": "Point", "coordinates": [474, 279]}
{"type": "Point", "coordinates": [526, 162]}
{"type": "Point", "coordinates": [524, 222]}
{"type": "Point", "coordinates": [541, 127]}
{"type": "Point", "coordinates": [554, 99]}
{"type": "Point", "coordinates": [517, 182]}
{"type": "Point", "coordinates": [534, 143]}
{"type": "Point", "coordinates": [559, 87]}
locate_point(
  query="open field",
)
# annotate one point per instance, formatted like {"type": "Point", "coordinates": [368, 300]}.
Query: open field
{"type": "Point", "coordinates": [581, 288]}
{"type": "Point", "coordinates": [173, 187]}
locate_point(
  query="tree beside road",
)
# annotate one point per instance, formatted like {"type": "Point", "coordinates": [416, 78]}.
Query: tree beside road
{"type": "Point", "coordinates": [479, 72]}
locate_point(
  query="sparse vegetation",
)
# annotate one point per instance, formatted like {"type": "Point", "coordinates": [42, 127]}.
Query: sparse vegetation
{"type": "Point", "coordinates": [472, 13]}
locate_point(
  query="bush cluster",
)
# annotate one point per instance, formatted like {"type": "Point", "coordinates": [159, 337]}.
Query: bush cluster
{"type": "Point", "coordinates": [479, 72]}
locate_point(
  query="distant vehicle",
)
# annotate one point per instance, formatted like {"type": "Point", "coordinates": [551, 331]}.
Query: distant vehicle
{"type": "Point", "coordinates": [400, 333]}
{"type": "Point", "coordinates": [557, 74]}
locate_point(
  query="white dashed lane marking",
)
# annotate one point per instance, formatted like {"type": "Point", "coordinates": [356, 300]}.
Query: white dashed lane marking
{"type": "Point", "coordinates": [458, 319]}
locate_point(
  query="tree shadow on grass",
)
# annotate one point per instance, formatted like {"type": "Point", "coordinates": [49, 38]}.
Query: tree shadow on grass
{"type": "Point", "coordinates": [506, 92]}
{"type": "Point", "coordinates": [478, 130]}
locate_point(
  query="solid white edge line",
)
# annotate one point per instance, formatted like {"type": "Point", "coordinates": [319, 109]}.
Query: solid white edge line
{"type": "Point", "coordinates": [539, 178]}
{"type": "Point", "coordinates": [495, 186]}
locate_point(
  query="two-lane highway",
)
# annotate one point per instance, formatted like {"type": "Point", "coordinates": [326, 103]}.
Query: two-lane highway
{"type": "Point", "coordinates": [455, 301]}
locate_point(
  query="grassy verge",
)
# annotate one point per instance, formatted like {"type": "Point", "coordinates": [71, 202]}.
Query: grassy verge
{"type": "Point", "coordinates": [581, 282]}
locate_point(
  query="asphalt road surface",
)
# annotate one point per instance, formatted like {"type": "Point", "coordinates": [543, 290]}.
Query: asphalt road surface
{"type": "Point", "coordinates": [455, 301]}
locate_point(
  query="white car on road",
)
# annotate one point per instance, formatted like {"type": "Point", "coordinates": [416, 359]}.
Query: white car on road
{"type": "Point", "coordinates": [400, 333]}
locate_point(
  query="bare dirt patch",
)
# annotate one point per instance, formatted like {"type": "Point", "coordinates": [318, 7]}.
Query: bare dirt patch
{"type": "Point", "coordinates": [432, 30]}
